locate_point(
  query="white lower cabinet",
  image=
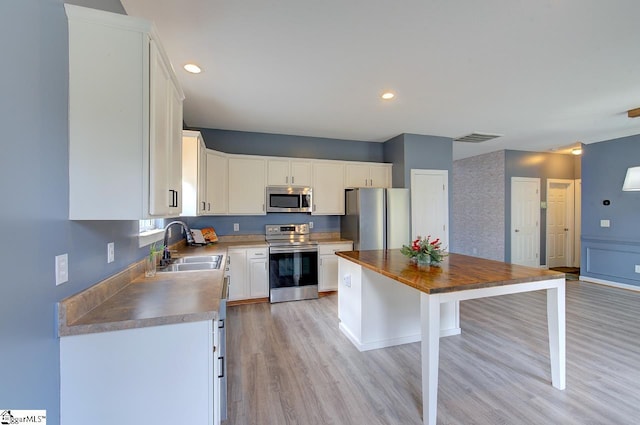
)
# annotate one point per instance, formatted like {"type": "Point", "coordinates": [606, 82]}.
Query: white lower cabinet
{"type": "Point", "coordinates": [328, 264]}
{"type": "Point", "coordinates": [248, 273]}
{"type": "Point", "coordinates": [141, 376]}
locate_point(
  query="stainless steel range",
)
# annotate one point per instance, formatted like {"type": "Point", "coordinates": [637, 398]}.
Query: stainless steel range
{"type": "Point", "coordinates": [293, 262]}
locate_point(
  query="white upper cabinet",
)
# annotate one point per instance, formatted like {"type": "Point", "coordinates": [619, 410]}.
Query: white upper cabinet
{"type": "Point", "coordinates": [194, 174]}
{"type": "Point", "coordinates": [367, 175]}
{"type": "Point", "coordinates": [247, 177]}
{"type": "Point", "coordinates": [217, 183]}
{"type": "Point", "coordinates": [284, 172]}
{"type": "Point", "coordinates": [328, 188]}
{"type": "Point", "coordinates": [125, 120]}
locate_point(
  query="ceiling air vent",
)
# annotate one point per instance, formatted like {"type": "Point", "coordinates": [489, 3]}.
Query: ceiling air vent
{"type": "Point", "coordinates": [476, 137]}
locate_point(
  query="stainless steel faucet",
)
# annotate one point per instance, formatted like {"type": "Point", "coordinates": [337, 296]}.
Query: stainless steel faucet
{"type": "Point", "coordinates": [166, 255]}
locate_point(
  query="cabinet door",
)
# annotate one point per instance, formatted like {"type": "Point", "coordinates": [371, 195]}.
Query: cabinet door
{"type": "Point", "coordinates": [141, 362]}
{"type": "Point", "coordinates": [161, 196]}
{"type": "Point", "coordinates": [328, 188]}
{"type": "Point", "coordinates": [202, 179]}
{"type": "Point", "coordinates": [278, 172]}
{"type": "Point", "coordinates": [247, 178]}
{"type": "Point", "coordinates": [300, 173]}
{"type": "Point", "coordinates": [217, 183]}
{"type": "Point", "coordinates": [258, 278]}
{"type": "Point", "coordinates": [380, 175]}
{"type": "Point", "coordinates": [237, 274]}
{"type": "Point", "coordinates": [357, 175]}
{"type": "Point", "coordinates": [175, 148]}
{"type": "Point", "coordinates": [328, 273]}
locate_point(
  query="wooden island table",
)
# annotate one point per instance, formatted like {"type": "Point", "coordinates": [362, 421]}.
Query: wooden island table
{"type": "Point", "coordinates": [378, 305]}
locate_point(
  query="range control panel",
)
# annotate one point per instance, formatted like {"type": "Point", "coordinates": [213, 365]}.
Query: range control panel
{"type": "Point", "coordinates": [276, 230]}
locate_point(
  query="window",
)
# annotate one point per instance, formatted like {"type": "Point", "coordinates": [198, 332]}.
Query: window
{"type": "Point", "coordinates": [149, 231]}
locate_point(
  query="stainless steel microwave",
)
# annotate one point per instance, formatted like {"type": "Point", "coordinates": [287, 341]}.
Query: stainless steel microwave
{"type": "Point", "coordinates": [289, 199]}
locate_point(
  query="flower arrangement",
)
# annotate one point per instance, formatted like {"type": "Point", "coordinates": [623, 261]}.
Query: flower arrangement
{"type": "Point", "coordinates": [425, 251]}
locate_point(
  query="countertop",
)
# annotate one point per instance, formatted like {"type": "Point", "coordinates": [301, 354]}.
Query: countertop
{"type": "Point", "coordinates": [456, 272]}
{"type": "Point", "coordinates": [131, 300]}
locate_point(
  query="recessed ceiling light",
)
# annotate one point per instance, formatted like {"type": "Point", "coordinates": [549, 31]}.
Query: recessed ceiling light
{"type": "Point", "coordinates": [387, 95]}
{"type": "Point", "coordinates": [576, 151]}
{"type": "Point", "coordinates": [192, 68]}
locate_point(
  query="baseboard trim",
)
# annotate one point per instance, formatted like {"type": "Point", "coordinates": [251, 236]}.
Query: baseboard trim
{"type": "Point", "coordinates": [610, 283]}
{"type": "Point", "coordinates": [249, 301]}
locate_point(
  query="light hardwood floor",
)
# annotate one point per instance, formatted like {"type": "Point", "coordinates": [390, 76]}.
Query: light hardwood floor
{"type": "Point", "coordinates": [290, 364]}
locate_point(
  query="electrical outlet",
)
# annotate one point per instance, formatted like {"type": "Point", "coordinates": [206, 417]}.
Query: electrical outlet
{"type": "Point", "coordinates": [111, 252]}
{"type": "Point", "coordinates": [605, 223]}
{"type": "Point", "coordinates": [346, 279]}
{"type": "Point", "coordinates": [311, 225]}
{"type": "Point", "coordinates": [62, 268]}
{"type": "Point", "coordinates": [637, 268]}
{"type": "Point", "coordinates": [236, 227]}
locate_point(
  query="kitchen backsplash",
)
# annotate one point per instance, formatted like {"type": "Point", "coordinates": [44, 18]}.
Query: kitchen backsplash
{"type": "Point", "coordinates": [254, 224]}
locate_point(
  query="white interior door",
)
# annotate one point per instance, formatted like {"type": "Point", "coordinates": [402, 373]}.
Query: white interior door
{"type": "Point", "coordinates": [525, 221]}
{"type": "Point", "coordinates": [560, 228]}
{"type": "Point", "coordinates": [430, 204]}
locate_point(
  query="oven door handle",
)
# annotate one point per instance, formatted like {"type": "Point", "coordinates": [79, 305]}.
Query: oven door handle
{"type": "Point", "coordinates": [291, 249]}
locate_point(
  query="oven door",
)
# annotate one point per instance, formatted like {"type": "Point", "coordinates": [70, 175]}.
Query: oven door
{"type": "Point", "coordinates": [293, 273]}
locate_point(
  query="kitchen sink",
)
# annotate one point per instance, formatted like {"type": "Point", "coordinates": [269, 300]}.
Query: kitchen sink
{"type": "Point", "coordinates": [196, 262]}
{"type": "Point", "coordinates": [198, 259]}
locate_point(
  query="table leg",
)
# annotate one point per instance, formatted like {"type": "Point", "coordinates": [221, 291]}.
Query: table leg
{"type": "Point", "coordinates": [557, 335]}
{"type": "Point", "coordinates": [430, 345]}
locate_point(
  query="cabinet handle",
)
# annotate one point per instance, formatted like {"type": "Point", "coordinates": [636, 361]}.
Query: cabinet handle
{"type": "Point", "coordinates": [321, 261]}
{"type": "Point", "coordinates": [204, 205]}
{"type": "Point", "coordinates": [371, 182]}
{"type": "Point", "coordinates": [209, 206]}
{"type": "Point", "coordinates": [174, 198]}
{"type": "Point", "coordinates": [286, 179]}
{"type": "Point", "coordinates": [293, 179]}
{"type": "Point", "coordinates": [221, 324]}
{"type": "Point", "coordinates": [262, 207]}
{"type": "Point", "coordinates": [221, 367]}
{"type": "Point", "coordinates": [314, 207]}
{"type": "Point", "coordinates": [258, 254]}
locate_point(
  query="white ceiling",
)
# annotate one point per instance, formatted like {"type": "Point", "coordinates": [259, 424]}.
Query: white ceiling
{"type": "Point", "coordinates": [544, 74]}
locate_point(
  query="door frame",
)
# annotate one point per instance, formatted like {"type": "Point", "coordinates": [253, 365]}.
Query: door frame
{"type": "Point", "coordinates": [570, 219]}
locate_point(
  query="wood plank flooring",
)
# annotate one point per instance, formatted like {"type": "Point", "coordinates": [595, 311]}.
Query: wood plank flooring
{"type": "Point", "coordinates": [290, 364]}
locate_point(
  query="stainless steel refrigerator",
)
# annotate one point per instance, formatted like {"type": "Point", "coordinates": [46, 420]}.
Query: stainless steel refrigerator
{"type": "Point", "coordinates": [376, 218]}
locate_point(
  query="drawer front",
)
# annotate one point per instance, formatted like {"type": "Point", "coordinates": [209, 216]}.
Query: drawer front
{"type": "Point", "coordinates": [257, 253]}
{"type": "Point", "coordinates": [325, 249]}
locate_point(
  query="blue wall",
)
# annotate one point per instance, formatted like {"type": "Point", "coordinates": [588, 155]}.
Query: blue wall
{"type": "Point", "coordinates": [254, 224]}
{"type": "Point", "coordinates": [610, 253]}
{"type": "Point", "coordinates": [34, 214]}
{"type": "Point", "coordinates": [542, 165]}
{"type": "Point", "coordinates": [241, 142]}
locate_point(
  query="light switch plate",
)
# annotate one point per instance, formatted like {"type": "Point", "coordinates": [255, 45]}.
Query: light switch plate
{"type": "Point", "coordinates": [236, 227]}
{"type": "Point", "coordinates": [111, 252]}
{"type": "Point", "coordinates": [637, 268]}
{"type": "Point", "coordinates": [62, 268]}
